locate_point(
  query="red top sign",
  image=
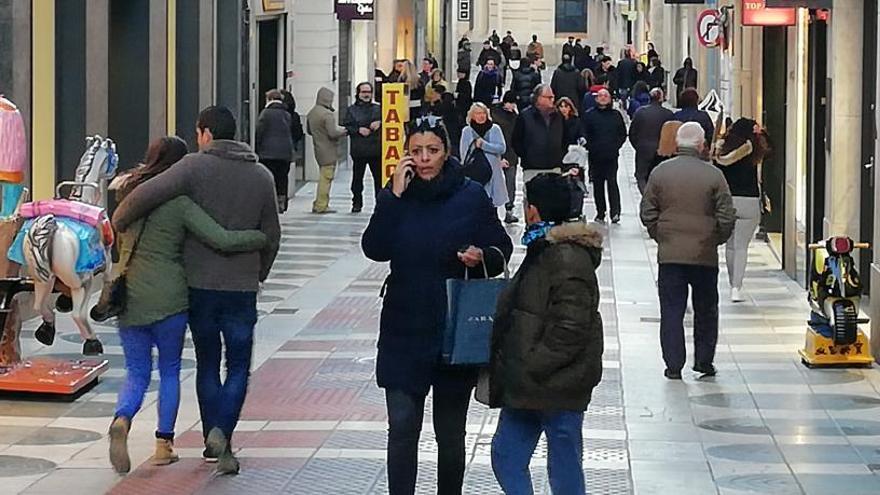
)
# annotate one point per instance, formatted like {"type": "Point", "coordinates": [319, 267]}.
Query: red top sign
{"type": "Point", "coordinates": [756, 13]}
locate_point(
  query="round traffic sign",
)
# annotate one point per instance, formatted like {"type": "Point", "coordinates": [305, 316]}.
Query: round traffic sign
{"type": "Point", "coordinates": [709, 28]}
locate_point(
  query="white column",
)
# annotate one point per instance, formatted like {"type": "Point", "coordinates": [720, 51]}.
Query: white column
{"type": "Point", "coordinates": [386, 34]}
{"type": "Point", "coordinates": [843, 176]}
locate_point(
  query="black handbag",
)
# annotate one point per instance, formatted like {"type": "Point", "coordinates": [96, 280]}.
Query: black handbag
{"type": "Point", "coordinates": [476, 166]}
{"type": "Point", "coordinates": [118, 287]}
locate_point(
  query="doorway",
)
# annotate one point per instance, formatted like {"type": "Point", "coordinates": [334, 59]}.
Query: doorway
{"type": "Point", "coordinates": [818, 138]}
{"type": "Point", "coordinates": [869, 137]}
{"type": "Point", "coordinates": [268, 73]}
{"type": "Point", "coordinates": [774, 118]}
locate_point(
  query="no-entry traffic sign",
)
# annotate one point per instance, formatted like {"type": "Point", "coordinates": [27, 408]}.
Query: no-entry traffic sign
{"type": "Point", "coordinates": [709, 28]}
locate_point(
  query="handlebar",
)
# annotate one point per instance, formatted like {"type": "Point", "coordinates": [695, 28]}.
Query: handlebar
{"type": "Point", "coordinates": [857, 245]}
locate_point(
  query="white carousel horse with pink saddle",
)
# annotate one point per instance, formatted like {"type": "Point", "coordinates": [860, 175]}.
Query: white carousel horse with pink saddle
{"type": "Point", "coordinates": [69, 241]}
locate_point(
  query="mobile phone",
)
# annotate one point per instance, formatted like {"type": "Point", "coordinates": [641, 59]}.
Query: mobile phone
{"type": "Point", "coordinates": [410, 172]}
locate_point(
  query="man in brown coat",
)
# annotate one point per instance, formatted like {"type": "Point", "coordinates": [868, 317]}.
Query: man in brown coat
{"type": "Point", "coordinates": [326, 134]}
{"type": "Point", "coordinates": [688, 210]}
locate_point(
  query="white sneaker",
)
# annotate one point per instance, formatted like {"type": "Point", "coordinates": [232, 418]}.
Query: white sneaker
{"type": "Point", "coordinates": [736, 295]}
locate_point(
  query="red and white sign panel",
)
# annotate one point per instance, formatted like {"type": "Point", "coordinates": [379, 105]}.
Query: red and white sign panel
{"type": "Point", "coordinates": [756, 13]}
{"type": "Point", "coordinates": [709, 28]}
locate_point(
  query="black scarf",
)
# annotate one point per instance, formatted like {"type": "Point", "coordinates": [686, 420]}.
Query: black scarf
{"type": "Point", "coordinates": [440, 187]}
{"type": "Point", "coordinates": [482, 129]}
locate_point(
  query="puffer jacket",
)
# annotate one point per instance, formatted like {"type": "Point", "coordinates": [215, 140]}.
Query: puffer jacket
{"type": "Point", "coordinates": [539, 146]}
{"type": "Point", "coordinates": [547, 342]}
{"type": "Point", "coordinates": [688, 210]}
{"type": "Point", "coordinates": [525, 79]}
{"type": "Point", "coordinates": [359, 115]}
{"type": "Point", "coordinates": [322, 126]}
{"type": "Point", "coordinates": [420, 233]}
{"type": "Point", "coordinates": [567, 81]}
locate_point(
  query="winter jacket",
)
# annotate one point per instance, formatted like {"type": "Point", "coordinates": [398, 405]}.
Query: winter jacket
{"type": "Point", "coordinates": [535, 50]}
{"type": "Point", "coordinates": [636, 102]}
{"type": "Point", "coordinates": [547, 342]}
{"type": "Point", "coordinates": [464, 61]}
{"type": "Point", "coordinates": [739, 170]}
{"type": "Point", "coordinates": [685, 77]}
{"type": "Point", "coordinates": [581, 58]}
{"type": "Point", "coordinates": [699, 116]}
{"type": "Point", "coordinates": [362, 115]}
{"type": "Point", "coordinates": [525, 80]}
{"type": "Point", "coordinates": [626, 73]}
{"type": "Point", "coordinates": [568, 49]}
{"type": "Point", "coordinates": [464, 96]}
{"type": "Point", "coordinates": [657, 77]}
{"type": "Point", "coordinates": [573, 131]}
{"type": "Point", "coordinates": [321, 125]}
{"type": "Point", "coordinates": [507, 122]}
{"type": "Point", "coordinates": [226, 180]}
{"type": "Point", "coordinates": [688, 210]}
{"type": "Point", "coordinates": [539, 146]}
{"type": "Point", "coordinates": [567, 81]}
{"type": "Point", "coordinates": [155, 279]}
{"type": "Point", "coordinates": [494, 147]}
{"type": "Point", "coordinates": [644, 131]}
{"type": "Point", "coordinates": [605, 132]}
{"type": "Point", "coordinates": [613, 78]}
{"type": "Point", "coordinates": [487, 87]}
{"type": "Point", "coordinates": [489, 54]}
{"type": "Point", "coordinates": [420, 233]}
{"type": "Point", "coordinates": [274, 140]}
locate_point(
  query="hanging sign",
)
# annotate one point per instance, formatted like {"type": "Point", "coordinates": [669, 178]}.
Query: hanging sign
{"type": "Point", "coordinates": [395, 113]}
{"type": "Point", "coordinates": [354, 10]}
{"type": "Point", "coordinates": [709, 28]}
{"type": "Point", "coordinates": [464, 10]}
{"type": "Point", "coordinates": [756, 13]}
{"type": "Point", "coordinates": [807, 4]}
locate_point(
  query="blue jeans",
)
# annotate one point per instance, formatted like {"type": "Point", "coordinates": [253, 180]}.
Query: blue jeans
{"type": "Point", "coordinates": [233, 315]}
{"type": "Point", "coordinates": [516, 438]}
{"type": "Point", "coordinates": [137, 345]}
{"type": "Point", "coordinates": [405, 414]}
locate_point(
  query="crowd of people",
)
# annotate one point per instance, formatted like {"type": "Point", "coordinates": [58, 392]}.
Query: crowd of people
{"type": "Point", "coordinates": [438, 219]}
{"type": "Point", "coordinates": [192, 257]}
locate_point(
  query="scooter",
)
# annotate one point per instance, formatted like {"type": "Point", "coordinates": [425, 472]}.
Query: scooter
{"type": "Point", "coordinates": [834, 292]}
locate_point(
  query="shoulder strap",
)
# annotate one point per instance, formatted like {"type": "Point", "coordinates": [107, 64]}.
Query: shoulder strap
{"type": "Point", "coordinates": [135, 244]}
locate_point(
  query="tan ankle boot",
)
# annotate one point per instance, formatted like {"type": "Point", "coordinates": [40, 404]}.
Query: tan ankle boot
{"type": "Point", "coordinates": [165, 454]}
{"type": "Point", "coordinates": [119, 445]}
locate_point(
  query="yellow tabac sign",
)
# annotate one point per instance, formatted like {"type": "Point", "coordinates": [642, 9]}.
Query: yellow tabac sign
{"type": "Point", "coordinates": [395, 113]}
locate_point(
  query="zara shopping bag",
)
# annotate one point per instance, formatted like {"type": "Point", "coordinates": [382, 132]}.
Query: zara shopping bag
{"type": "Point", "coordinates": [467, 338]}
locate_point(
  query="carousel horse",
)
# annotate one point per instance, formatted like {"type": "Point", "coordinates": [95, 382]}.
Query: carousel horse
{"type": "Point", "coordinates": [69, 241]}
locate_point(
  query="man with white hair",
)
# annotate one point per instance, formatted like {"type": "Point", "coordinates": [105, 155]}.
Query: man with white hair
{"type": "Point", "coordinates": [688, 210]}
{"type": "Point", "coordinates": [644, 134]}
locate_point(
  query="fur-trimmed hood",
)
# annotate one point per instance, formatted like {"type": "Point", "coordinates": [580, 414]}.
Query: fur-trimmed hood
{"type": "Point", "coordinates": [734, 155]}
{"type": "Point", "coordinates": [581, 234]}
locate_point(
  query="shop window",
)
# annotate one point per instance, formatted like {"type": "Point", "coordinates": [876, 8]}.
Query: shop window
{"type": "Point", "coordinates": [571, 16]}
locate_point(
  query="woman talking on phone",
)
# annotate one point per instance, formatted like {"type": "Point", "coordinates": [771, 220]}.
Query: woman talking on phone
{"type": "Point", "coordinates": [432, 224]}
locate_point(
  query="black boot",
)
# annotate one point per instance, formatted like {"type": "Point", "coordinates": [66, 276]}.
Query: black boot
{"type": "Point", "coordinates": [64, 304]}
{"type": "Point", "coordinates": [46, 333]}
{"type": "Point", "coordinates": [92, 347]}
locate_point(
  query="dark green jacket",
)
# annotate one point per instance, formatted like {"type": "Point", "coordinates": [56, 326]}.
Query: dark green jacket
{"type": "Point", "coordinates": [547, 341]}
{"type": "Point", "coordinates": [155, 279]}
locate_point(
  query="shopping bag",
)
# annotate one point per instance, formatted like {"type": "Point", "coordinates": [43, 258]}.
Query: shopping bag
{"type": "Point", "coordinates": [467, 337]}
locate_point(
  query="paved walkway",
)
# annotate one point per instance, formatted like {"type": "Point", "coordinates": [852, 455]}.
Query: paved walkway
{"type": "Point", "coordinates": [314, 422]}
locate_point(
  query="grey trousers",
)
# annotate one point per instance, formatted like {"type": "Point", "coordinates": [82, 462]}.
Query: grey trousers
{"type": "Point", "coordinates": [748, 216]}
{"type": "Point", "coordinates": [510, 180]}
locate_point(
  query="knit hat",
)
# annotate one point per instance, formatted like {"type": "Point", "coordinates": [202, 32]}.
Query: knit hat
{"type": "Point", "coordinates": [743, 128]}
{"type": "Point", "coordinates": [509, 97]}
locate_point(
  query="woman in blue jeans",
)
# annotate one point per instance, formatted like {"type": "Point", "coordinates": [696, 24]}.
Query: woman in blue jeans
{"type": "Point", "coordinates": [155, 312]}
{"type": "Point", "coordinates": [547, 344]}
{"type": "Point", "coordinates": [432, 224]}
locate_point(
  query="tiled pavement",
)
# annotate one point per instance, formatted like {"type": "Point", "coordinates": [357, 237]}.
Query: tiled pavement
{"type": "Point", "coordinates": [314, 420]}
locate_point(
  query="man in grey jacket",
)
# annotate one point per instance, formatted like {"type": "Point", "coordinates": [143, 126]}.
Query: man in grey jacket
{"type": "Point", "coordinates": [688, 210]}
{"type": "Point", "coordinates": [644, 135]}
{"type": "Point", "coordinates": [228, 182]}
{"type": "Point", "coordinates": [326, 133]}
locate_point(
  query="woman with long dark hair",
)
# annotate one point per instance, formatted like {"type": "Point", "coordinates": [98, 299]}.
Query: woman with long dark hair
{"type": "Point", "coordinates": [740, 155]}
{"type": "Point", "coordinates": [155, 307]}
{"type": "Point", "coordinates": [432, 224]}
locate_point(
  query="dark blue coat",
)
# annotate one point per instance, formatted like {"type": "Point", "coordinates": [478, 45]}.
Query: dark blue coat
{"type": "Point", "coordinates": [421, 233]}
{"type": "Point", "coordinates": [686, 115]}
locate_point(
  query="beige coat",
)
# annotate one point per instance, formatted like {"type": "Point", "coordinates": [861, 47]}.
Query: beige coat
{"type": "Point", "coordinates": [688, 210]}
{"type": "Point", "coordinates": [325, 132]}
